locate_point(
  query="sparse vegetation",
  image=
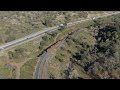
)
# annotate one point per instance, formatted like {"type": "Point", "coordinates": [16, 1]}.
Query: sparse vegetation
{"type": "Point", "coordinates": [77, 49]}
{"type": "Point", "coordinates": [93, 56]}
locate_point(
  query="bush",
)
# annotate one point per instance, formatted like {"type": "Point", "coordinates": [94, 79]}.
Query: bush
{"type": "Point", "coordinates": [10, 53]}
{"type": "Point", "coordinates": [47, 22]}
{"type": "Point", "coordinates": [53, 34]}
{"type": "Point", "coordinates": [83, 14]}
{"type": "Point", "coordinates": [19, 50]}
{"type": "Point", "coordinates": [59, 58]}
{"type": "Point", "coordinates": [69, 42]}
{"type": "Point", "coordinates": [43, 43]}
{"type": "Point", "coordinates": [16, 55]}
{"type": "Point", "coordinates": [108, 34]}
{"type": "Point", "coordinates": [51, 76]}
{"type": "Point", "coordinates": [40, 47]}
{"type": "Point", "coordinates": [46, 37]}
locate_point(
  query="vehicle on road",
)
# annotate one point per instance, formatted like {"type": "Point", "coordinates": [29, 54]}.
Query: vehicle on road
{"type": "Point", "coordinates": [94, 18]}
{"type": "Point", "coordinates": [62, 26]}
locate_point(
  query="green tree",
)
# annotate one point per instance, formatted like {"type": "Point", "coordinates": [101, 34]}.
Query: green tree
{"type": "Point", "coordinates": [83, 56]}
{"type": "Point", "coordinates": [51, 76]}
{"type": "Point", "coordinates": [43, 43]}
{"type": "Point", "coordinates": [47, 22]}
{"type": "Point", "coordinates": [107, 42]}
{"type": "Point", "coordinates": [69, 42]}
{"type": "Point", "coordinates": [16, 55]}
{"type": "Point", "coordinates": [67, 17]}
{"type": "Point", "coordinates": [20, 51]}
{"type": "Point", "coordinates": [45, 38]}
{"type": "Point", "coordinates": [102, 44]}
{"type": "Point", "coordinates": [117, 28]}
{"type": "Point", "coordinates": [116, 36]}
{"type": "Point", "coordinates": [40, 47]}
{"type": "Point", "coordinates": [108, 34]}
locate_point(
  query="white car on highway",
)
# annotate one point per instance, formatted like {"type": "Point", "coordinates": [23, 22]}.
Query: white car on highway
{"type": "Point", "coordinates": [94, 18]}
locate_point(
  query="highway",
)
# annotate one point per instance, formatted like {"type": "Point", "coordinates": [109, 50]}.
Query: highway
{"type": "Point", "coordinates": [41, 33]}
{"type": "Point", "coordinates": [26, 39]}
{"type": "Point", "coordinates": [41, 62]}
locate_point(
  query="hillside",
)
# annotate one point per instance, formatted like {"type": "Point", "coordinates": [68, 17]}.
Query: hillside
{"type": "Point", "coordinates": [89, 54]}
{"type": "Point", "coordinates": [16, 24]}
{"type": "Point", "coordinates": [76, 54]}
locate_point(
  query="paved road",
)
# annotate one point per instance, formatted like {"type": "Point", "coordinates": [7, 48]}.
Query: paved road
{"type": "Point", "coordinates": [26, 39]}
{"type": "Point", "coordinates": [40, 65]}
{"type": "Point", "coordinates": [40, 68]}
{"type": "Point", "coordinates": [41, 33]}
